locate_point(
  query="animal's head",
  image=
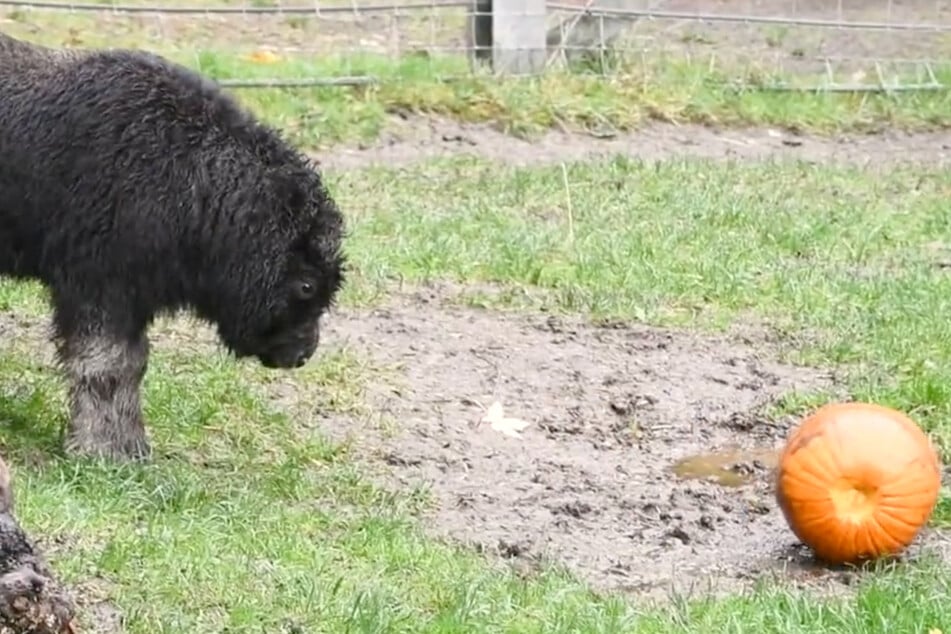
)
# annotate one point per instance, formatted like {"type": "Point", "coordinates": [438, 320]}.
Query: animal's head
{"type": "Point", "coordinates": [286, 271]}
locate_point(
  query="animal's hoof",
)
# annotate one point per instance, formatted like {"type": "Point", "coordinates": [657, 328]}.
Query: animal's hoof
{"type": "Point", "coordinates": [131, 450]}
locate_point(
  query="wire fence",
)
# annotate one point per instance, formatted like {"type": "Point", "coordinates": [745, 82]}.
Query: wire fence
{"type": "Point", "coordinates": [832, 45]}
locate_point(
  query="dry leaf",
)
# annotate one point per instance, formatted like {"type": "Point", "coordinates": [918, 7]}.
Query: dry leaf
{"type": "Point", "coordinates": [496, 417]}
{"type": "Point", "coordinates": [263, 57]}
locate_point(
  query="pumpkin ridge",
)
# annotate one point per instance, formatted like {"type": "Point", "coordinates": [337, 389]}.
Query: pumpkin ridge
{"type": "Point", "coordinates": [889, 541]}
{"type": "Point", "coordinates": [826, 459]}
{"type": "Point", "coordinates": [864, 538]}
{"type": "Point", "coordinates": [841, 540]}
{"type": "Point", "coordinates": [914, 501]}
{"type": "Point", "coordinates": [839, 445]}
{"type": "Point", "coordinates": [802, 442]}
{"type": "Point", "coordinates": [814, 525]}
{"type": "Point", "coordinates": [912, 469]}
{"type": "Point", "coordinates": [898, 520]}
{"type": "Point", "coordinates": [815, 464]}
{"type": "Point", "coordinates": [806, 480]}
{"type": "Point", "coordinates": [816, 517]}
{"type": "Point", "coordinates": [803, 467]}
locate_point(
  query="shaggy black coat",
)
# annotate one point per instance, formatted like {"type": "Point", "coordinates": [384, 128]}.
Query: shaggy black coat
{"type": "Point", "coordinates": [132, 186]}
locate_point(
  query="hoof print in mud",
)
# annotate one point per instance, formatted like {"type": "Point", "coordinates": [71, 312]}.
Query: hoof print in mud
{"type": "Point", "coordinates": [576, 509]}
{"type": "Point", "coordinates": [680, 535]}
{"type": "Point", "coordinates": [514, 549]}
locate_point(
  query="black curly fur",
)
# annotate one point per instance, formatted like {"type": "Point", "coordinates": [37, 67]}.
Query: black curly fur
{"type": "Point", "coordinates": [131, 186]}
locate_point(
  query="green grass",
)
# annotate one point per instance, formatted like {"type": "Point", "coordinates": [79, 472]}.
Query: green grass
{"type": "Point", "coordinates": [854, 259]}
{"type": "Point", "coordinates": [673, 91]}
{"type": "Point", "coordinates": [249, 520]}
{"type": "Point", "coordinates": [633, 93]}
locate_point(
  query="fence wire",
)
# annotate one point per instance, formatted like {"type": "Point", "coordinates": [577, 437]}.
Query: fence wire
{"type": "Point", "coordinates": [828, 45]}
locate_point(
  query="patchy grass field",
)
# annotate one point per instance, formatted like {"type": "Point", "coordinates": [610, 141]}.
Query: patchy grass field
{"type": "Point", "coordinates": [252, 519]}
{"type": "Point", "coordinates": [636, 313]}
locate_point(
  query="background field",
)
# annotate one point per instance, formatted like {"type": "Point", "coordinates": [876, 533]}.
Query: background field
{"type": "Point", "coordinates": [659, 261]}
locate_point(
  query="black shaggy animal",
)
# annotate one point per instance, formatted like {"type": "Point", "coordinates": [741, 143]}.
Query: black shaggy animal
{"type": "Point", "coordinates": [131, 186]}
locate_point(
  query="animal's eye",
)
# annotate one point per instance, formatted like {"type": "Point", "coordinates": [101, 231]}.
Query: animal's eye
{"type": "Point", "coordinates": [305, 290]}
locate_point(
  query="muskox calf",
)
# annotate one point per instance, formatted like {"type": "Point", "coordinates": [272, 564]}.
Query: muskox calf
{"type": "Point", "coordinates": [131, 186]}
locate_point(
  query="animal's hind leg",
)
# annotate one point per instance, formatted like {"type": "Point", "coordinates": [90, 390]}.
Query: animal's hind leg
{"type": "Point", "coordinates": [105, 374]}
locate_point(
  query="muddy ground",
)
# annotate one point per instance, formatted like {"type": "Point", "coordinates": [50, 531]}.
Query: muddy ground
{"type": "Point", "coordinates": [596, 483]}
{"type": "Point", "coordinates": [590, 483]}
{"type": "Point", "coordinates": [597, 480]}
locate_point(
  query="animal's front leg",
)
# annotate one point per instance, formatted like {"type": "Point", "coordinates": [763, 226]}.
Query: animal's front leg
{"type": "Point", "coordinates": [105, 374]}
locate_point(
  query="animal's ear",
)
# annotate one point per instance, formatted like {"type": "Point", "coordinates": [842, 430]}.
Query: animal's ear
{"type": "Point", "coordinates": [317, 239]}
{"type": "Point", "coordinates": [290, 187]}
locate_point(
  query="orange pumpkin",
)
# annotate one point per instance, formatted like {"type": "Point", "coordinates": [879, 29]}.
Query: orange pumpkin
{"type": "Point", "coordinates": [857, 481]}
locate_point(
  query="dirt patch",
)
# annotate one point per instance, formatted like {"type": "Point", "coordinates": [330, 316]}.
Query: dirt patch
{"type": "Point", "coordinates": [97, 611]}
{"type": "Point", "coordinates": [590, 482]}
{"type": "Point", "coordinates": [411, 139]}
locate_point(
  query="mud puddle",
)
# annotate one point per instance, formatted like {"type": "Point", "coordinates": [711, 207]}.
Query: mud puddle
{"type": "Point", "coordinates": [729, 467]}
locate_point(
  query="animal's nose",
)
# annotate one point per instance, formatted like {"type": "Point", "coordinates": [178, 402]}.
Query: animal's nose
{"type": "Point", "coordinates": [302, 359]}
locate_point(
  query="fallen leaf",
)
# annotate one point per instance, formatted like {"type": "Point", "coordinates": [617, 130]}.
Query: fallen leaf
{"type": "Point", "coordinates": [263, 57]}
{"type": "Point", "coordinates": [497, 419]}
